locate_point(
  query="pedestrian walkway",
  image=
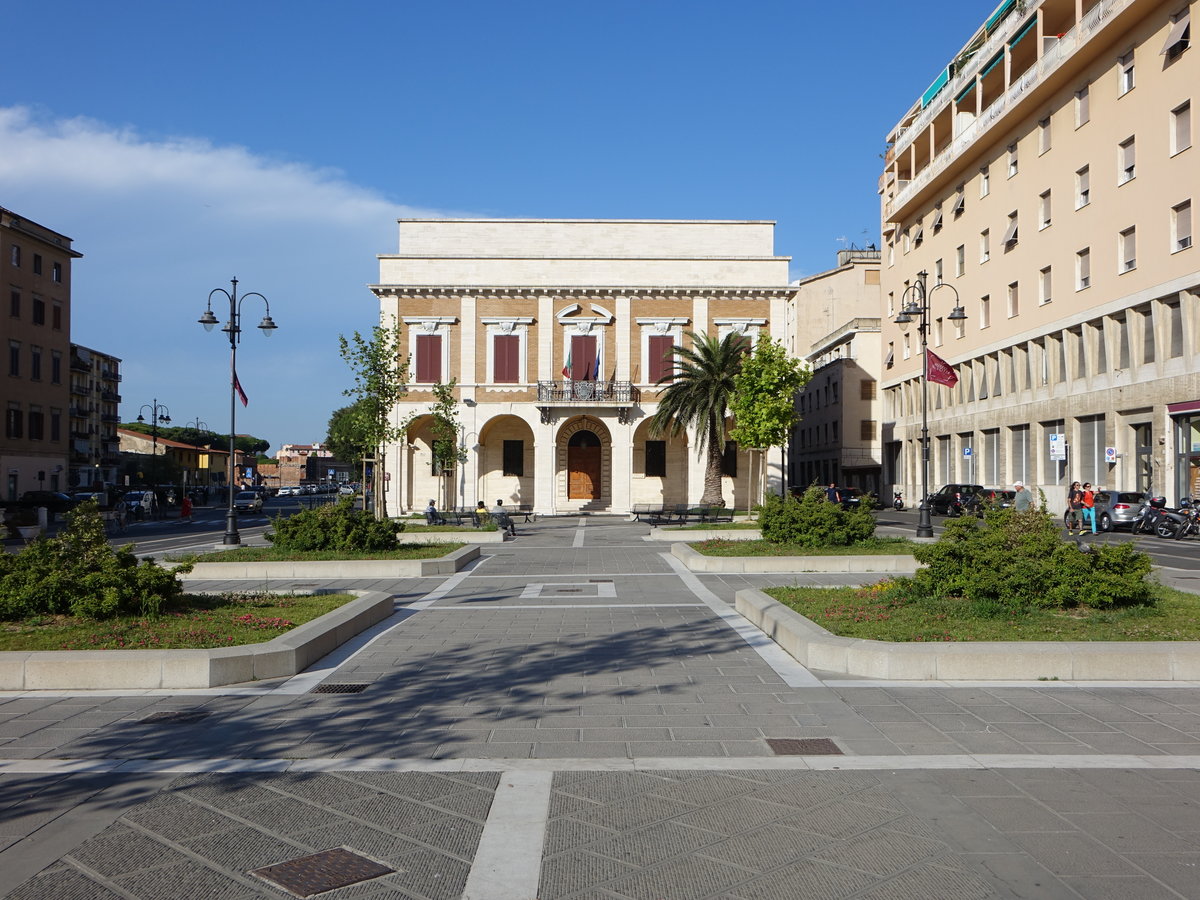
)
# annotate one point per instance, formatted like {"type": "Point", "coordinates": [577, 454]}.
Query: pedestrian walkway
{"type": "Point", "coordinates": [575, 716]}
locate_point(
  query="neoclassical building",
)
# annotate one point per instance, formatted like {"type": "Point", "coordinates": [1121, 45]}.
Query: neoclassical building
{"type": "Point", "coordinates": [557, 332]}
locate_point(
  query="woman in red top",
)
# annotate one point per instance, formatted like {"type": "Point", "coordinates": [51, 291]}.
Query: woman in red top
{"type": "Point", "coordinates": [1089, 506]}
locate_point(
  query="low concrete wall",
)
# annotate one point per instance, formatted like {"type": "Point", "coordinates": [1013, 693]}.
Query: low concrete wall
{"type": "Point", "coordinates": [286, 655]}
{"type": "Point", "coordinates": [351, 568]}
{"type": "Point", "coordinates": [752, 565]}
{"type": "Point", "coordinates": [473, 536]}
{"type": "Point", "coordinates": [816, 648]}
{"type": "Point", "coordinates": [708, 534]}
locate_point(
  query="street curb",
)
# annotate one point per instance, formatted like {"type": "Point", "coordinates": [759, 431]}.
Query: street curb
{"type": "Point", "coordinates": [334, 568]}
{"type": "Point", "coordinates": [815, 648]}
{"type": "Point", "coordinates": [699, 534]}
{"type": "Point", "coordinates": [750, 565]}
{"type": "Point", "coordinates": [283, 656]}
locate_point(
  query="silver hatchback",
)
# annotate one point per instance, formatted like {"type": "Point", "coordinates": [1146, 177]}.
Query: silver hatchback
{"type": "Point", "coordinates": [1116, 509]}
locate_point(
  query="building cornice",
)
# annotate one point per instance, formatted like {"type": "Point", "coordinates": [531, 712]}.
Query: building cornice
{"type": "Point", "coordinates": [533, 292]}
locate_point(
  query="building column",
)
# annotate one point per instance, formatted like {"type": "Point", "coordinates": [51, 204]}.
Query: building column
{"type": "Point", "coordinates": [544, 457]}
{"type": "Point", "coordinates": [621, 488]}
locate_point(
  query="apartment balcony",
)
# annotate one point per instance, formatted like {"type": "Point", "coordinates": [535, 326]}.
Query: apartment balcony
{"type": "Point", "coordinates": [80, 365]}
{"type": "Point", "coordinates": [1056, 52]}
{"type": "Point", "coordinates": [109, 375]}
{"type": "Point", "coordinates": [81, 390]}
{"type": "Point", "coordinates": [78, 412]}
{"type": "Point", "coordinates": [111, 396]}
{"type": "Point", "coordinates": [111, 418]}
{"type": "Point", "coordinates": [618, 395]}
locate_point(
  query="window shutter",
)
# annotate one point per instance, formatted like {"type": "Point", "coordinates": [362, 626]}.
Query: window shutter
{"type": "Point", "coordinates": [506, 354]}
{"type": "Point", "coordinates": [583, 358]}
{"type": "Point", "coordinates": [429, 358]}
{"type": "Point", "coordinates": [661, 362]}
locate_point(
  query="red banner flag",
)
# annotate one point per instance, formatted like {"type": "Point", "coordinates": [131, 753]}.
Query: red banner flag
{"type": "Point", "coordinates": [939, 371]}
{"type": "Point", "coordinates": [237, 386]}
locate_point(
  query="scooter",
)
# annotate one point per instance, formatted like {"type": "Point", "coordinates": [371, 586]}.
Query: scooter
{"type": "Point", "coordinates": [1190, 511]}
{"type": "Point", "coordinates": [897, 501]}
{"type": "Point", "coordinates": [1155, 518]}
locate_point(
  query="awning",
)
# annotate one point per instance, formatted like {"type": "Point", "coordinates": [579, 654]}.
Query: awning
{"type": "Point", "coordinates": [937, 220]}
{"type": "Point", "coordinates": [999, 58]}
{"type": "Point", "coordinates": [1011, 234]}
{"type": "Point", "coordinates": [959, 203]}
{"type": "Point", "coordinates": [1001, 11]}
{"type": "Point", "coordinates": [919, 236]}
{"type": "Point", "coordinates": [887, 363]}
{"type": "Point", "coordinates": [1187, 407]}
{"type": "Point", "coordinates": [1177, 33]}
{"type": "Point", "coordinates": [934, 89]}
{"type": "Point", "coordinates": [969, 89]}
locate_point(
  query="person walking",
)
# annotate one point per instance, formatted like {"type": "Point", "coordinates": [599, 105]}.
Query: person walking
{"type": "Point", "coordinates": [1074, 509]}
{"type": "Point", "coordinates": [1023, 501]}
{"type": "Point", "coordinates": [185, 509]}
{"type": "Point", "coordinates": [832, 495]}
{"type": "Point", "coordinates": [1088, 500]}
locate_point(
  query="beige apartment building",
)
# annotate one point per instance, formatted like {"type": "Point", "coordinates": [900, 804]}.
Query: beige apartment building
{"type": "Point", "coordinates": [557, 332]}
{"type": "Point", "coordinates": [35, 274]}
{"type": "Point", "coordinates": [834, 327]}
{"type": "Point", "coordinates": [1048, 178]}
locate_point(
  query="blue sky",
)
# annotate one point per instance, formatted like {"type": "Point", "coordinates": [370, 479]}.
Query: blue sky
{"type": "Point", "coordinates": [181, 144]}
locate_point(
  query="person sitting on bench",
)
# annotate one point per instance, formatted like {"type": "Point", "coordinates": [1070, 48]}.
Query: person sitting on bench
{"type": "Point", "coordinates": [503, 519]}
{"type": "Point", "coordinates": [432, 516]}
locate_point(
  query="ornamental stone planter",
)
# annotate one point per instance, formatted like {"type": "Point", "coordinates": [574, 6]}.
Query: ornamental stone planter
{"type": "Point", "coordinates": [335, 568]}
{"type": "Point", "coordinates": [899, 564]}
{"type": "Point", "coordinates": [815, 648]}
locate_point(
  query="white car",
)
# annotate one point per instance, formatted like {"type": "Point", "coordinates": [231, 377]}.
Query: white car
{"type": "Point", "coordinates": [249, 501]}
{"type": "Point", "coordinates": [288, 492]}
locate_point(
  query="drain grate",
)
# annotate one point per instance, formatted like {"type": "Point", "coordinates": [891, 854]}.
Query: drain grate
{"type": "Point", "coordinates": [804, 747]}
{"type": "Point", "coordinates": [307, 876]}
{"type": "Point", "coordinates": [175, 717]}
{"type": "Point", "coordinates": [568, 590]}
{"type": "Point", "coordinates": [338, 689]}
{"type": "Point", "coordinates": [600, 581]}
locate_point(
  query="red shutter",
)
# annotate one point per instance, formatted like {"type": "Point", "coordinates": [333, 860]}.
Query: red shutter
{"type": "Point", "coordinates": [429, 358]}
{"type": "Point", "coordinates": [506, 350]}
{"type": "Point", "coordinates": [583, 357]}
{"type": "Point", "coordinates": [661, 361]}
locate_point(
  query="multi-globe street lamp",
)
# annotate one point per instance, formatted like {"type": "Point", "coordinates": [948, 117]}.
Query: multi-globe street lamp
{"type": "Point", "coordinates": [233, 328]}
{"type": "Point", "coordinates": [917, 305]}
{"type": "Point", "coordinates": [158, 413]}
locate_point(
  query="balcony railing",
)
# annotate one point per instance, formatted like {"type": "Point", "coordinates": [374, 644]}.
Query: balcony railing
{"type": "Point", "coordinates": [111, 396]}
{"type": "Point", "coordinates": [81, 389]}
{"type": "Point", "coordinates": [110, 417]}
{"type": "Point", "coordinates": [587, 393]}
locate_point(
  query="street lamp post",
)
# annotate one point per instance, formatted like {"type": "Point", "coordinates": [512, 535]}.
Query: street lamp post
{"type": "Point", "coordinates": [158, 413]}
{"type": "Point", "coordinates": [233, 328]}
{"type": "Point", "coordinates": [918, 305]}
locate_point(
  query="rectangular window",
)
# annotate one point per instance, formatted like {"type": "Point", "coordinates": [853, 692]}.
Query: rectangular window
{"type": "Point", "coordinates": [1044, 281]}
{"type": "Point", "coordinates": [582, 358]}
{"type": "Point", "coordinates": [39, 311]}
{"type": "Point", "coordinates": [985, 182]}
{"type": "Point", "coordinates": [1083, 269]}
{"type": "Point", "coordinates": [866, 389]}
{"type": "Point", "coordinates": [1019, 457]}
{"type": "Point", "coordinates": [661, 358]}
{"type": "Point", "coordinates": [729, 459]}
{"type": "Point", "coordinates": [656, 459]}
{"type": "Point", "coordinates": [506, 358]}
{"type": "Point", "coordinates": [1083, 187]}
{"type": "Point", "coordinates": [867, 429]}
{"type": "Point", "coordinates": [937, 332]}
{"type": "Point", "coordinates": [14, 255]}
{"type": "Point", "coordinates": [37, 264]}
{"type": "Point", "coordinates": [35, 363]}
{"type": "Point", "coordinates": [1012, 160]}
{"type": "Point", "coordinates": [1175, 320]}
{"type": "Point", "coordinates": [906, 350]}
{"type": "Point", "coordinates": [1127, 249]}
{"type": "Point", "coordinates": [937, 220]}
{"type": "Point", "coordinates": [56, 272]}
{"type": "Point", "coordinates": [1126, 160]}
{"type": "Point", "coordinates": [1011, 235]}
{"type": "Point", "coordinates": [429, 358]}
{"type": "Point", "coordinates": [937, 272]}
{"type": "Point", "coordinates": [960, 257]}
{"type": "Point", "coordinates": [1181, 128]}
{"type": "Point", "coordinates": [55, 367]}
{"type": "Point", "coordinates": [56, 317]}
{"type": "Point", "coordinates": [1181, 226]}
{"type": "Point", "coordinates": [1178, 37]}
{"type": "Point", "coordinates": [1014, 300]}
{"type": "Point", "coordinates": [1125, 74]}
{"type": "Point", "coordinates": [55, 424]}
{"type": "Point", "coordinates": [14, 421]}
{"type": "Point", "coordinates": [14, 304]}
{"type": "Point", "coordinates": [1044, 135]}
{"type": "Point", "coordinates": [985, 311]}
{"type": "Point", "coordinates": [1148, 338]}
{"type": "Point", "coordinates": [514, 458]}
{"type": "Point", "coordinates": [960, 201]}
{"type": "Point", "coordinates": [14, 358]}
{"type": "Point", "coordinates": [985, 246]}
{"type": "Point", "coordinates": [1082, 110]}
{"type": "Point", "coordinates": [1044, 210]}
{"type": "Point", "coordinates": [36, 425]}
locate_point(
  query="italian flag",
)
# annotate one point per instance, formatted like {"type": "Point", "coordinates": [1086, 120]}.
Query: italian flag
{"type": "Point", "coordinates": [567, 368]}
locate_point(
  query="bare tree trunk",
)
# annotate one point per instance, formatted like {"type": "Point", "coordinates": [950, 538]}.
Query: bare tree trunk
{"type": "Point", "coordinates": [715, 452]}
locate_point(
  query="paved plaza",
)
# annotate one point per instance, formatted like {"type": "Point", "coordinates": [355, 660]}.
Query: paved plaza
{"type": "Point", "coordinates": [577, 717]}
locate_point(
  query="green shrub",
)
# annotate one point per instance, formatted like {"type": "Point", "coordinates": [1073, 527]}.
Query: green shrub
{"type": "Point", "coordinates": [1016, 561]}
{"type": "Point", "coordinates": [334, 527]}
{"type": "Point", "coordinates": [812, 521]}
{"type": "Point", "coordinates": [77, 573]}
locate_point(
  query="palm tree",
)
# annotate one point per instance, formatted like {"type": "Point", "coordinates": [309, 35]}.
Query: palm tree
{"type": "Point", "coordinates": [697, 396]}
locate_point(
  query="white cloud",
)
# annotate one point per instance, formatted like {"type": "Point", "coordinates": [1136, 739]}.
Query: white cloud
{"type": "Point", "coordinates": [163, 222]}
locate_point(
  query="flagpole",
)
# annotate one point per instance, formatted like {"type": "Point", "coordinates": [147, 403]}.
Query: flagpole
{"type": "Point", "coordinates": [233, 328]}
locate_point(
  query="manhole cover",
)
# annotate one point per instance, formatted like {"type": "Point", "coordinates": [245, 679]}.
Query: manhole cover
{"type": "Point", "coordinates": [307, 876]}
{"type": "Point", "coordinates": [338, 689]}
{"type": "Point", "coordinates": [804, 747]}
{"type": "Point", "coordinates": [175, 717]}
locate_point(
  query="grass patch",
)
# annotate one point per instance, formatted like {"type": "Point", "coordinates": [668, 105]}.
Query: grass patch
{"type": "Point", "coordinates": [192, 621]}
{"type": "Point", "coordinates": [875, 614]}
{"type": "Point", "coordinates": [869, 547]}
{"type": "Point", "coordinates": [278, 554]}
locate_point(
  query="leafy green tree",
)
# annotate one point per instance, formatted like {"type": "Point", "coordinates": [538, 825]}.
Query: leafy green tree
{"type": "Point", "coordinates": [697, 396]}
{"type": "Point", "coordinates": [764, 397]}
{"type": "Point", "coordinates": [380, 382]}
{"type": "Point", "coordinates": [446, 451]}
{"type": "Point", "coordinates": [343, 435]}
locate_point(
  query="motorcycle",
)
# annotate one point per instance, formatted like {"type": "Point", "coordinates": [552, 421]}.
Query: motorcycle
{"type": "Point", "coordinates": [1154, 518]}
{"type": "Point", "coordinates": [897, 501]}
{"type": "Point", "coordinates": [1191, 520]}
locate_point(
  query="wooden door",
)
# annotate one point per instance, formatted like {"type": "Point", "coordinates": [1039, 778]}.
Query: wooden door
{"type": "Point", "coordinates": [583, 466]}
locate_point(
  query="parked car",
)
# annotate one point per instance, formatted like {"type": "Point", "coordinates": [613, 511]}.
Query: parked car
{"type": "Point", "coordinates": [1117, 509]}
{"type": "Point", "coordinates": [54, 501]}
{"type": "Point", "coordinates": [289, 491]}
{"type": "Point", "coordinates": [139, 504]}
{"type": "Point", "coordinates": [951, 499]}
{"type": "Point", "coordinates": [248, 501]}
{"type": "Point", "coordinates": [346, 489]}
{"type": "Point", "coordinates": [1002, 499]}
